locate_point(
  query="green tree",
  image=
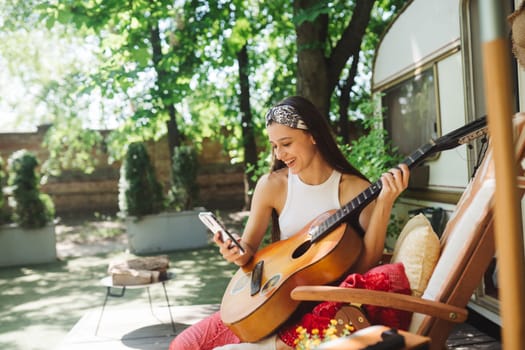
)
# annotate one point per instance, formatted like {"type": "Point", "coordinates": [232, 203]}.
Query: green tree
{"type": "Point", "coordinates": [330, 36]}
{"type": "Point", "coordinates": [148, 58]}
{"type": "Point", "coordinates": [40, 80]}
{"type": "Point", "coordinates": [196, 68]}
{"type": "Point", "coordinates": [319, 64]}
{"type": "Point", "coordinates": [251, 24]}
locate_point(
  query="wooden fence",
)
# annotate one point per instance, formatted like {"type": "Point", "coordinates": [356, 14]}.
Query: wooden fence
{"type": "Point", "coordinates": [221, 184]}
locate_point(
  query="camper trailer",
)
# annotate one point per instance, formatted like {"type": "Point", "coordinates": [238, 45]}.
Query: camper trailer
{"type": "Point", "coordinates": [428, 76]}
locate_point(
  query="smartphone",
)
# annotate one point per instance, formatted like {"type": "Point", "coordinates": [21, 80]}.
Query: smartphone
{"type": "Point", "coordinates": [214, 225]}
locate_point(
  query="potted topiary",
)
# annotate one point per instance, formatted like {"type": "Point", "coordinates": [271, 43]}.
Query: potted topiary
{"type": "Point", "coordinates": [139, 191]}
{"type": "Point", "coordinates": [30, 238]}
{"type": "Point", "coordinates": [5, 214]}
{"type": "Point", "coordinates": [151, 226]}
{"type": "Point", "coordinates": [184, 189]}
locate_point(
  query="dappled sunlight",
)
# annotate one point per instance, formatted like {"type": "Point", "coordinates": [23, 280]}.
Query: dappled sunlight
{"type": "Point", "coordinates": [47, 300]}
{"type": "Point", "coordinates": [13, 291]}
{"type": "Point", "coordinates": [201, 276]}
{"type": "Point", "coordinates": [41, 337]}
{"type": "Point", "coordinates": [51, 305]}
{"type": "Point", "coordinates": [51, 297]}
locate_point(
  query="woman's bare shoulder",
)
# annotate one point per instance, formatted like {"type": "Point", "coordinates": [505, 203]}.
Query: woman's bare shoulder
{"type": "Point", "coordinates": [271, 189]}
{"type": "Point", "coordinates": [351, 186]}
{"type": "Point", "coordinates": [274, 180]}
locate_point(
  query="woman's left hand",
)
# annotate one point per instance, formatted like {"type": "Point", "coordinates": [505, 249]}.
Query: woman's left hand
{"type": "Point", "coordinates": [394, 182]}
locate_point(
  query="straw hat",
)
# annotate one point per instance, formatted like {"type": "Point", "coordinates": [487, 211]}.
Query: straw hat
{"type": "Point", "coordinates": [517, 21]}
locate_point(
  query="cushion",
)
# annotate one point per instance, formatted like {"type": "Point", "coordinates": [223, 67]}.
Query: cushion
{"type": "Point", "coordinates": [387, 278]}
{"type": "Point", "coordinates": [417, 248]}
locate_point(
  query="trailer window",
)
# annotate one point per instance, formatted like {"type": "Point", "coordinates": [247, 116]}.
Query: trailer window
{"type": "Point", "coordinates": [411, 112]}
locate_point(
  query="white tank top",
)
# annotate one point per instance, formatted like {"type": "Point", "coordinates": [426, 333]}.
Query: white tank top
{"type": "Point", "coordinates": [305, 202]}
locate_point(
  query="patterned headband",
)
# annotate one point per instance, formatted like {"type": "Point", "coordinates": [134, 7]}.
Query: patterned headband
{"type": "Point", "coordinates": [285, 115]}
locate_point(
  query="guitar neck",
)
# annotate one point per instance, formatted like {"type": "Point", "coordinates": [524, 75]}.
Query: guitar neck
{"type": "Point", "coordinates": [453, 139]}
{"type": "Point", "coordinates": [364, 198]}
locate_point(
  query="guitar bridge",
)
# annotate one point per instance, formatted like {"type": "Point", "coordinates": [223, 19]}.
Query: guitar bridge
{"type": "Point", "coordinates": [256, 278]}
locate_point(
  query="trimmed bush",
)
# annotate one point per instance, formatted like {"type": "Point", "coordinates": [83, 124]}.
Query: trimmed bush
{"type": "Point", "coordinates": [184, 190]}
{"type": "Point", "coordinates": [32, 209]}
{"type": "Point", "coordinates": [5, 215]}
{"type": "Point", "coordinates": [140, 193]}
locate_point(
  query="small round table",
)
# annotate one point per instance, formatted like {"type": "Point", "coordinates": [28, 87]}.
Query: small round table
{"type": "Point", "coordinates": [108, 283]}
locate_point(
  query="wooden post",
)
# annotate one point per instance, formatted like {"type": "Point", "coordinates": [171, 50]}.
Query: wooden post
{"type": "Point", "coordinates": [509, 236]}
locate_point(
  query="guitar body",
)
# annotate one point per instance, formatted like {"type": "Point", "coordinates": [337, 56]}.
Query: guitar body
{"type": "Point", "coordinates": [288, 263]}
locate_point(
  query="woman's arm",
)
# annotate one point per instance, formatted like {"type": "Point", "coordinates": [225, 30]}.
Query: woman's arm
{"type": "Point", "coordinates": [267, 196]}
{"type": "Point", "coordinates": [376, 216]}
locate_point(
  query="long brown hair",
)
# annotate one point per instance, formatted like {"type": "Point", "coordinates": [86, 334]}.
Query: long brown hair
{"type": "Point", "coordinates": [320, 130]}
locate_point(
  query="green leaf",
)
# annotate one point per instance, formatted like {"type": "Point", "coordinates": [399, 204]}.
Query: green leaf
{"type": "Point", "coordinates": [310, 14]}
{"type": "Point", "coordinates": [141, 55]}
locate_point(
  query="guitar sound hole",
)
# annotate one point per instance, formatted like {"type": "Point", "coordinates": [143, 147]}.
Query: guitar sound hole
{"type": "Point", "coordinates": [301, 249]}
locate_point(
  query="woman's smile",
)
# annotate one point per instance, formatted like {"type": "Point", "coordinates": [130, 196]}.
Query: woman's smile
{"type": "Point", "coordinates": [290, 163]}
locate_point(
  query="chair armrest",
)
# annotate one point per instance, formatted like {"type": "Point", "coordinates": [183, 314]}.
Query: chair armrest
{"type": "Point", "coordinates": [378, 298]}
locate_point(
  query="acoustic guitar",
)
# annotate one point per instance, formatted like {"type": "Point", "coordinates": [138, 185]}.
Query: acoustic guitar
{"type": "Point", "coordinates": [257, 300]}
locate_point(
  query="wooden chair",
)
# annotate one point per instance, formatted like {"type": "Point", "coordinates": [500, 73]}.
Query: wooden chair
{"type": "Point", "coordinates": [467, 247]}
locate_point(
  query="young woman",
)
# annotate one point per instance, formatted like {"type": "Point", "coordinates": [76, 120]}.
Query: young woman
{"type": "Point", "coordinates": [309, 176]}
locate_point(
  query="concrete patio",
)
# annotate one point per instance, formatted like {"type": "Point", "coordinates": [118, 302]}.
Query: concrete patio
{"type": "Point", "coordinates": [42, 306]}
{"type": "Point", "coordinates": [58, 305]}
{"type": "Point", "coordinates": [145, 329]}
{"type": "Point", "coordinates": [136, 328]}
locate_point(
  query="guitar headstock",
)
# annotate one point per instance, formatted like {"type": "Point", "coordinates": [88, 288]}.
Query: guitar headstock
{"type": "Point", "coordinates": [463, 135]}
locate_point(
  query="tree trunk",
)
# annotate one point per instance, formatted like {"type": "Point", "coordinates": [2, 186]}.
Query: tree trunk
{"type": "Point", "coordinates": [317, 75]}
{"type": "Point", "coordinates": [344, 101]}
{"type": "Point", "coordinates": [350, 42]}
{"type": "Point", "coordinates": [174, 137]}
{"type": "Point", "coordinates": [312, 73]}
{"type": "Point", "coordinates": [248, 135]}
